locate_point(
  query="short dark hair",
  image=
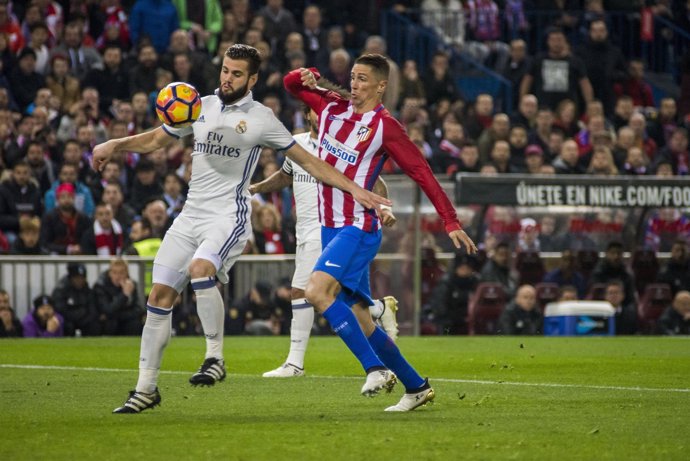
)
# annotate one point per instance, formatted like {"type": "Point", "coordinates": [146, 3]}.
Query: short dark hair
{"type": "Point", "coordinates": [245, 53]}
{"type": "Point", "coordinates": [377, 62]}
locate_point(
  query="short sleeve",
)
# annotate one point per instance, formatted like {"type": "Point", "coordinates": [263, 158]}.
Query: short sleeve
{"type": "Point", "coordinates": [275, 135]}
{"type": "Point", "coordinates": [287, 166]}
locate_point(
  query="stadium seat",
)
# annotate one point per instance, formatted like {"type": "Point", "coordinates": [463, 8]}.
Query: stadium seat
{"type": "Point", "coordinates": [645, 267]}
{"type": "Point", "coordinates": [530, 267]}
{"type": "Point", "coordinates": [656, 298]}
{"type": "Point", "coordinates": [485, 307]}
{"type": "Point", "coordinates": [597, 292]}
{"type": "Point", "coordinates": [547, 293]}
{"type": "Point", "coordinates": [585, 260]}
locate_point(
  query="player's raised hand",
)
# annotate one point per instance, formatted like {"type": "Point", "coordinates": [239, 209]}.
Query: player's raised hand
{"type": "Point", "coordinates": [460, 239]}
{"type": "Point", "coordinates": [369, 199]}
{"type": "Point", "coordinates": [308, 78]}
{"type": "Point", "coordinates": [101, 155]}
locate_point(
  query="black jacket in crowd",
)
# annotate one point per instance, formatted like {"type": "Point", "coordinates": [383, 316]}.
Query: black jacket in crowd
{"type": "Point", "coordinates": [77, 307]}
{"type": "Point", "coordinates": [15, 200]}
{"type": "Point", "coordinates": [672, 323]}
{"type": "Point", "coordinates": [515, 320]}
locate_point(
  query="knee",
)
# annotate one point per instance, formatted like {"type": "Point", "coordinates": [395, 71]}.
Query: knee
{"type": "Point", "coordinates": [162, 296]}
{"type": "Point", "coordinates": [200, 268]}
{"type": "Point", "coordinates": [320, 293]}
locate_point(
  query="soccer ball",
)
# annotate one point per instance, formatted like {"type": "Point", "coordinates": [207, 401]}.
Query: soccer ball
{"type": "Point", "coordinates": [178, 104]}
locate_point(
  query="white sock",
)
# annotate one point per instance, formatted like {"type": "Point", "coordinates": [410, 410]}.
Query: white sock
{"type": "Point", "coordinates": [211, 311]}
{"type": "Point", "coordinates": [376, 309]}
{"type": "Point", "coordinates": [154, 338]}
{"type": "Point", "coordinates": [300, 329]}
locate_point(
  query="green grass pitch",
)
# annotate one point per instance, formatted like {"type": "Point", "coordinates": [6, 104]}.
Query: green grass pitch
{"type": "Point", "coordinates": [496, 398]}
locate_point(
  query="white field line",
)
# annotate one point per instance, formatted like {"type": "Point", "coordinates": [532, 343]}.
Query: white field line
{"type": "Point", "coordinates": [444, 380]}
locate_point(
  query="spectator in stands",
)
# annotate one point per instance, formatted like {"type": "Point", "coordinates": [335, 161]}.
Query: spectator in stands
{"type": "Point", "coordinates": [676, 152]}
{"type": "Point", "coordinates": [28, 241]}
{"type": "Point", "coordinates": [144, 244]}
{"type": "Point", "coordinates": [450, 298]}
{"type": "Point", "coordinates": [566, 117]}
{"type": "Point", "coordinates": [111, 81]}
{"type": "Point", "coordinates": [183, 71]}
{"type": "Point", "coordinates": [43, 321]}
{"type": "Point", "coordinates": [156, 212]}
{"type": "Point", "coordinates": [469, 158]}
{"type": "Point", "coordinates": [145, 185]}
{"type": "Point", "coordinates": [263, 317]}
{"type": "Point", "coordinates": [543, 126]}
{"type": "Point", "coordinates": [602, 163]}
{"type": "Point", "coordinates": [439, 83]}
{"type": "Point", "coordinates": [155, 21]}
{"type": "Point", "coordinates": [105, 237]}
{"type": "Point", "coordinates": [122, 212]}
{"type": "Point", "coordinates": [75, 301]}
{"type": "Point", "coordinates": [526, 114]}
{"type": "Point", "coordinates": [118, 301]}
{"type": "Point", "coordinates": [568, 293]}
{"type": "Point", "coordinates": [447, 19]}
{"type": "Point", "coordinates": [314, 37]}
{"type": "Point", "coordinates": [534, 158]}
{"type": "Point", "coordinates": [142, 77]}
{"type": "Point", "coordinates": [61, 83]}
{"type": "Point", "coordinates": [500, 157]}
{"type": "Point", "coordinates": [528, 237]}
{"type": "Point", "coordinates": [626, 312]}
{"type": "Point", "coordinates": [173, 194]}
{"type": "Point", "coordinates": [115, 26]}
{"type": "Point", "coordinates": [11, 28]}
{"type": "Point", "coordinates": [64, 226]}
{"type": "Point", "coordinates": [82, 58]}
{"type": "Point", "coordinates": [638, 124]}
{"type": "Point", "coordinates": [37, 40]}
{"type": "Point", "coordinates": [676, 318]}
{"type": "Point", "coordinates": [567, 275]}
{"type": "Point", "coordinates": [479, 116]}
{"type": "Point", "coordinates": [604, 63]}
{"type": "Point", "coordinates": [204, 20]}
{"type": "Point", "coordinates": [411, 85]}
{"type": "Point", "coordinates": [83, 199]}
{"type": "Point", "coordinates": [567, 161]}
{"type": "Point", "coordinates": [24, 80]}
{"type": "Point", "coordinates": [40, 165]}
{"type": "Point", "coordinates": [268, 233]}
{"type": "Point", "coordinates": [676, 271]}
{"type": "Point", "coordinates": [518, 144]}
{"type": "Point", "coordinates": [446, 156]}
{"type": "Point", "coordinates": [338, 70]}
{"type": "Point", "coordinates": [624, 109]}
{"type": "Point", "coordinates": [499, 130]}
{"type": "Point", "coordinates": [497, 269]}
{"type": "Point", "coordinates": [557, 74]}
{"type": "Point", "coordinates": [624, 142]}
{"type": "Point", "coordinates": [635, 85]}
{"type": "Point", "coordinates": [515, 68]}
{"type": "Point", "coordinates": [279, 23]}
{"type": "Point", "coordinates": [662, 127]}
{"type": "Point", "coordinates": [19, 196]}
{"type": "Point", "coordinates": [611, 267]}
{"type": "Point", "coordinates": [522, 316]}
{"type": "Point", "coordinates": [636, 162]}
{"type": "Point", "coordinates": [10, 326]}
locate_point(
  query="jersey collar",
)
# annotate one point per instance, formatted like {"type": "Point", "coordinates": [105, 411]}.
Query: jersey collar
{"type": "Point", "coordinates": [237, 104]}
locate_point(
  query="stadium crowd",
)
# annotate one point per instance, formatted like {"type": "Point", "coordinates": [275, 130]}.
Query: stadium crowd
{"type": "Point", "coordinates": [74, 74]}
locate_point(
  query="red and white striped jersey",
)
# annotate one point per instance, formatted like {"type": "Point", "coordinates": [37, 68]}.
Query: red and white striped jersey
{"type": "Point", "coordinates": [358, 145]}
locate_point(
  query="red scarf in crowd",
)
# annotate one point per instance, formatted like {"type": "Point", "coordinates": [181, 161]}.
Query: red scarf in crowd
{"type": "Point", "coordinates": [108, 243]}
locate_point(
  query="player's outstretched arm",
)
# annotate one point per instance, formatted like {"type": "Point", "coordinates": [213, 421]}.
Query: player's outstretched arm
{"type": "Point", "coordinates": [460, 239]}
{"type": "Point", "coordinates": [275, 182]}
{"type": "Point", "coordinates": [325, 173]}
{"type": "Point", "coordinates": [141, 143]}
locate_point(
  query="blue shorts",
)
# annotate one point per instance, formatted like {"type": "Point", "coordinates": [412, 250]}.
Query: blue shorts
{"type": "Point", "coordinates": [347, 253]}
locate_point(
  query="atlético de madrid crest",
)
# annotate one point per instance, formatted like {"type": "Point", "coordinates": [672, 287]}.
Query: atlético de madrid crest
{"type": "Point", "coordinates": [363, 133]}
{"type": "Point", "coordinates": [241, 127]}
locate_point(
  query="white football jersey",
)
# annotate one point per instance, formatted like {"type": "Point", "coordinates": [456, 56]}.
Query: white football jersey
{"type": "Point", "coordinates": [227, 144]}
{"type": "Point", "coordinates": [306, 193]}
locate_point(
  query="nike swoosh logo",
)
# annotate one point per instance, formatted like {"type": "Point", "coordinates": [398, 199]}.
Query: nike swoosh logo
{"type": "Point", "coordinates": [330, 264]}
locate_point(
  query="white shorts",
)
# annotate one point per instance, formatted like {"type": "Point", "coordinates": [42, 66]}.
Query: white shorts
{"type": "Point", "coordinates": [216, 239]}
{"type": "Point", "coordinates": [306, 255]}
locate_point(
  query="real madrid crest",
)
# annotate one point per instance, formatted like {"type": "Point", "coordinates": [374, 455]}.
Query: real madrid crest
{"type": "Point", "coordinates": [241, 127]}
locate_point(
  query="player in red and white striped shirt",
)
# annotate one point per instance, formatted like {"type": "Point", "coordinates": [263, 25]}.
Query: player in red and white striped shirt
{"type": "Point", "coordinates": [356, 136]}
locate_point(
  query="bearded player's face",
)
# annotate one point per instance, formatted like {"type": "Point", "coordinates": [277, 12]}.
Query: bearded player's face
{"type": "Point", "coordinates": [235, 81]}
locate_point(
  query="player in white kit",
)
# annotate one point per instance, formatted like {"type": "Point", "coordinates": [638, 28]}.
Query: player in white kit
{"type": "Point", "coordinates": [308, 230]}
{"type": "Point", "coordinates": [211, 231]}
